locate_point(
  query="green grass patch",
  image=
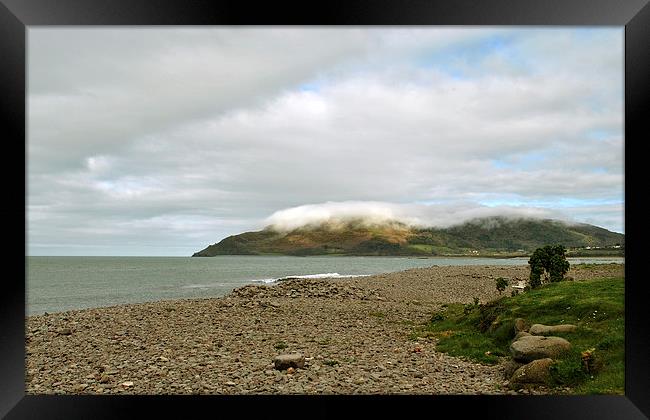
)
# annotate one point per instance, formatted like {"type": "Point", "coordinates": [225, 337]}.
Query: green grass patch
{"type": "Point", "coordinates": [483, 332]}
{"type": "Point", "coordinates": [422, 247]}
{"type": "Point", "coordinates": [280, 345]}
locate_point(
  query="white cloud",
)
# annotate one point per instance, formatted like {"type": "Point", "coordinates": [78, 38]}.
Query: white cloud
{"type": "Point", "coordinates": [220, 127]}
{"type": "Point", "coordinates": [446, 215]}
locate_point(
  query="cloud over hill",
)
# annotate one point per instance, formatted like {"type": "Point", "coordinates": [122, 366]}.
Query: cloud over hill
{"type": "Point", "coordinates": [418, 215]}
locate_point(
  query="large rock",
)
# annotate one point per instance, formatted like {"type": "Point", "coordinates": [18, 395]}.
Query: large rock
{"type": "Point", "coordinates": [520, 325]}
{"type": "Point", "coordinates": [510, 367]}
{"type": "Point", "coordinates": [541, 329]}
{"type": "Point", "coordinates": [520, 334]}
{"type": "Point", "coordinates": [285, 361]}
{"type": "Point", "coordinates": [535, 372]}
{"type": "Point", "coordinates": [533, 347]}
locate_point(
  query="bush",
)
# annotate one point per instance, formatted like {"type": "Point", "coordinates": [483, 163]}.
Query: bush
{"type": "Point", "coordinates": [550, 262]}
{"type": "Point", "coordinates": [437, 317]}
{"type": "Point", "coordinates": [468, 308]}
{"type": "Point", "coordinates": [488, 314]}
{"type": "Point", "coordinates": [568, 371]}
{"type": "Point", "coordinates": [503, 334]}
{"type": "Point", "coordinates": [501, 284]}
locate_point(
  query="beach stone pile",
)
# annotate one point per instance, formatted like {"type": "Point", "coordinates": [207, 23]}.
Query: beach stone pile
{"type": "Point", "coordinates": [533, 352]}
{"type": "Point", "coordinates": [307, 288]}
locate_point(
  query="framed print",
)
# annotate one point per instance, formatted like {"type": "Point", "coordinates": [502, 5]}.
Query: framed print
{"type": "Point", "coordinates": [389, 207]}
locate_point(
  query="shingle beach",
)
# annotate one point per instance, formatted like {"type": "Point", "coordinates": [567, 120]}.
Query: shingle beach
{"type": "Point", "coordinates": [356, 334]}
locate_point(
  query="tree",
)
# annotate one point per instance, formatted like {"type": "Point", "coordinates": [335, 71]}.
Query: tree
{"type": "Point", "coordinates": [501, 284]}
{"type": "Point", "coordinates": [550, 262]}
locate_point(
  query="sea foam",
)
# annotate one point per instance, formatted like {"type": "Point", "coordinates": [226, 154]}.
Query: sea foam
{"type": "Point", "coordinates": [311, 276]}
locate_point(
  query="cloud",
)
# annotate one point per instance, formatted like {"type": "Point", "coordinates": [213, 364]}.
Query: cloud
{"type": "Point", "coordinates": [441, 216]}
{"type": "Point", "coordinates": [134, 131]}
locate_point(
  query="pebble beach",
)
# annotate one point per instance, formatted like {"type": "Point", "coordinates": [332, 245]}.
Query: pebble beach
{"type": "Point", "coordinates": [356, 334]}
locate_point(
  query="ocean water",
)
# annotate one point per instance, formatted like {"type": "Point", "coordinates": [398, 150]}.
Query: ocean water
{"type": "Point", "coordinates": [57, 284]}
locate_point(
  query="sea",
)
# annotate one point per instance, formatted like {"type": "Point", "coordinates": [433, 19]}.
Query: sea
{"type": "Point", "coordinates": [56, 284]}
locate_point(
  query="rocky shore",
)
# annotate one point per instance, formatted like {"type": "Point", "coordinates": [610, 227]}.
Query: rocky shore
{"type": "Point", "coordinates": [356, 336]}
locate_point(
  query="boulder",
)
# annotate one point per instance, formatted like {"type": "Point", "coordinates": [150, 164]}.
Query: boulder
{"type": "Point", "coordinates": [286, 361]}
{"type": "Point", "coordinates": [520, 325]}
{"type": "Point", "coordinates": [533, 347]}
{"type": "Point", "coordinates": [521, 334]}
{"type": "Point", "coordinates": [535, 372]}
{"type": "Point", "coordinates": [510, 367]}
{"type": "Point", "coordinates": [541, 329]}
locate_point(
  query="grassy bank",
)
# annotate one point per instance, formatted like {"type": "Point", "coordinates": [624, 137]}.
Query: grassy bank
{"type": "Point", "coordinates": [483, 332]}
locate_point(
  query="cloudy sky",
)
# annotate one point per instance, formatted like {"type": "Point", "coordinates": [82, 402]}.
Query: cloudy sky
{"type": "Point", "coordinates": [163, 140]}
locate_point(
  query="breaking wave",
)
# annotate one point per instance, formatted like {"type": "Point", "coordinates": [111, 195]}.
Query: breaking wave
{"type": "Point", "coordinates": [205, 286]}
{"type": "Point", "coordinates": [311, 276]}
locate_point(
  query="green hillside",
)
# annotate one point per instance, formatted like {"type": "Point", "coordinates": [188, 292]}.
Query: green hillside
{"type": "Point", "coordinates": [486, 236]}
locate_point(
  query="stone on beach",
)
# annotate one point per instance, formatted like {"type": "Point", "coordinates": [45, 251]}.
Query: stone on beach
{"type": "Point", "coordinates": [510, 367]}
{"type": "Point", "coordinates": [535, 372]}
{"type": "Point", "coordinates": [532, 347]}
{"type": "Point", "coordinates": [521, 334]}
{"type": "Point", "coordinates": [541, 329]}
{"type": "Point", "coordinates": [520, 325]}
{"type": "Point", "coordinates": [64, 331]}
{"type": "Point", "coordinates": [286, 361]}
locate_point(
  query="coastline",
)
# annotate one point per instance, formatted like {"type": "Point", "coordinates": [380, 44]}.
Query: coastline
{"type": "Point", "coordinates": [93, 282]}
{"type": "Point", "coordinates": [356, 334]}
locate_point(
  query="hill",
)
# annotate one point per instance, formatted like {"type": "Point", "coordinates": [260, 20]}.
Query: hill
{"type": "Point", "coordinates": [486, 236]}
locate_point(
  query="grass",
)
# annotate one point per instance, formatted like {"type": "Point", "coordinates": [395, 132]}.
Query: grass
{"type": "Point", "coordinates": [590, 266]}
{"type": "Point", "coordinates": [484, 332]}
{"type": "Point", "coordinates": [324, 341]}
{"type": "Point", "coordinates": [280, 345]}
{"type": "Point", "coordinates": [422, 247]}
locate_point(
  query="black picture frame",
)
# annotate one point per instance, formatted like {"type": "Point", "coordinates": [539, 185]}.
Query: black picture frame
{"type": "Point", "coordinates": [17, 15]}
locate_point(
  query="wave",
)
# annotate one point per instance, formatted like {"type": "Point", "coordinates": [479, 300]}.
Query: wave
{"type": "Point", "coordinates": [265, 280]}
{"type": "Point", "coordinates": [274, 280]}
{"type": "Point", "coordinates": [204, 286]}
{"type": "Point", "coordinates": [311, 276]}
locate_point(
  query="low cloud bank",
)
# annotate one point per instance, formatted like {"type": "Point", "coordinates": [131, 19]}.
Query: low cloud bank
{"type": "Point", "coordinates": [420, 215]}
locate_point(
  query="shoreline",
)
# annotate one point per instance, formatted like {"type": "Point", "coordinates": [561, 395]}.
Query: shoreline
{"type": "Point", "coordinates": [356, 334]}
{"type": "Point", "coordinates": [38, 308]}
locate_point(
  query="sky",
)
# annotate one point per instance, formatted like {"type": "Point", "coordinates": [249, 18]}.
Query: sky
{"type": "Point", "coordinates": [163, 140]}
